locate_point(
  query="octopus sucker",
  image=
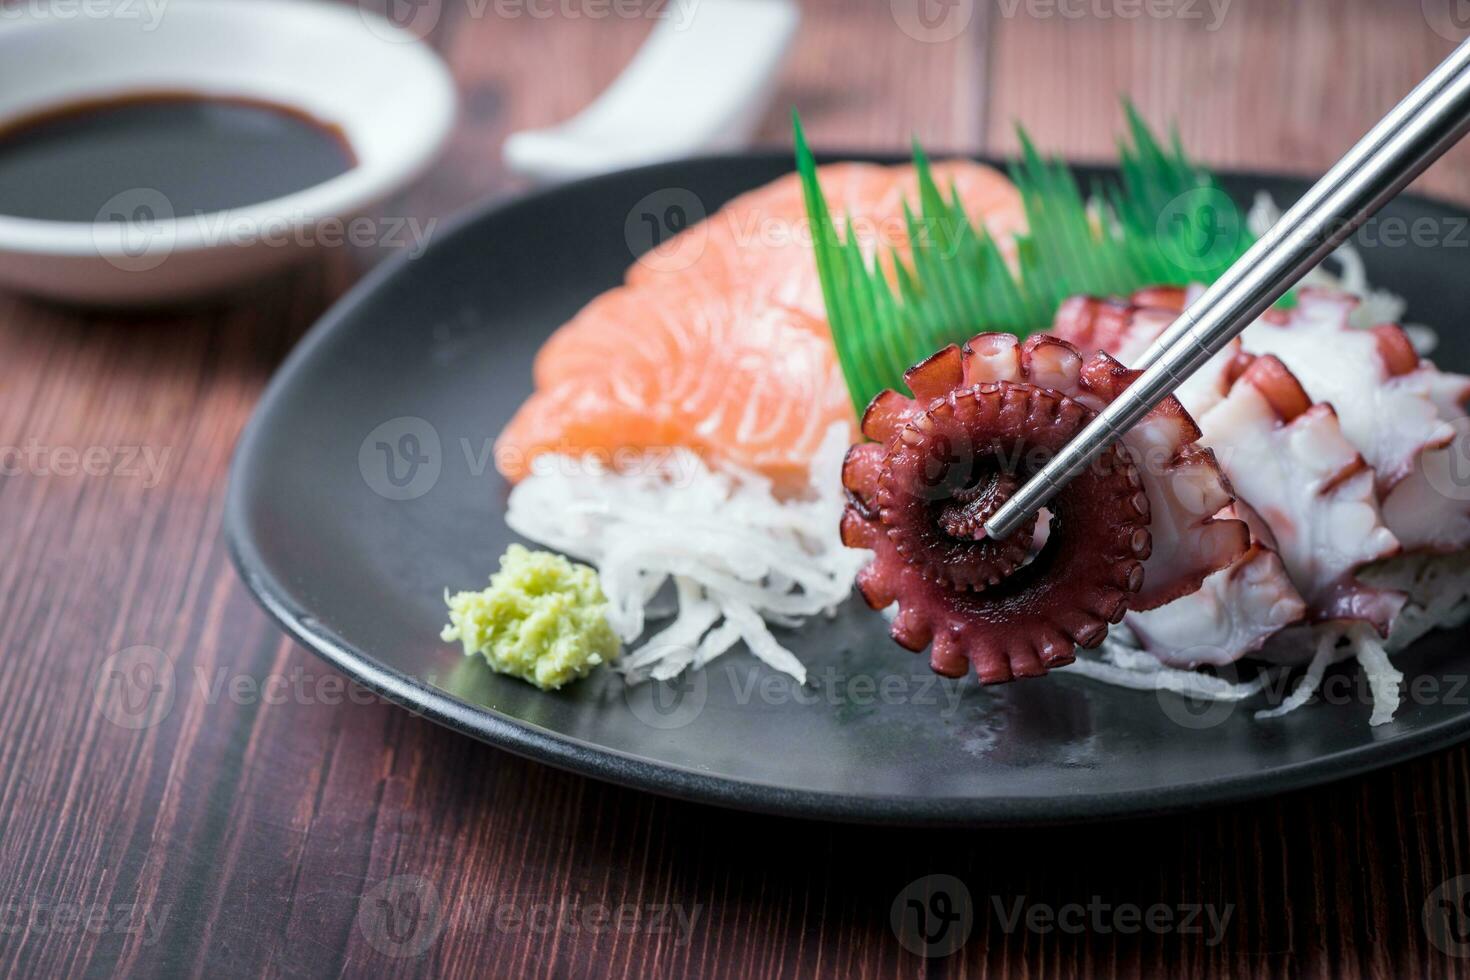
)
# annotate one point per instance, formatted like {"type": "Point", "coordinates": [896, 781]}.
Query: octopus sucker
{"type": "Point", "coordinates": [935, 376]}
{"type": "Point", "coordinates": [984, 417]}
{"type": "Point", "coordinates": [1175, 477]}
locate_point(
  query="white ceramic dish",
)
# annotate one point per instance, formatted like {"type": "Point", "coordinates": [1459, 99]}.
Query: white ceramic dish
{"type": "Point", "coordinates": [389, 93]}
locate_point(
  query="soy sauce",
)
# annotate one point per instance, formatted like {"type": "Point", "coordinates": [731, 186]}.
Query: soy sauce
{"type": "Point", "coordinates": [201, 153]}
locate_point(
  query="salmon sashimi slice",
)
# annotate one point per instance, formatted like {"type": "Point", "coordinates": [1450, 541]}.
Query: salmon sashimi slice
{"type": "Point", "coordinates": [718, 342]}
{"type": "Point", "coordinates": [739, 381]}
{"type": "Point", "coordinates": [764, 238]}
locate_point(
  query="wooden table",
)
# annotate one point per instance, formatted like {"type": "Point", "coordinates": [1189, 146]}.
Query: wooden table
{"type": "Point", "coordinates": [282, 829]}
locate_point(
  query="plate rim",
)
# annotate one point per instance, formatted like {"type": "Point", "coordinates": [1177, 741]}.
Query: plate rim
{"type": "Point", "coordinates": [681, 782]}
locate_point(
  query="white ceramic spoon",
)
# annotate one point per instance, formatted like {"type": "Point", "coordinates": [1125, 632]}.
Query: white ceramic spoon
{"type": "Point", "coordinates": [701, 82]}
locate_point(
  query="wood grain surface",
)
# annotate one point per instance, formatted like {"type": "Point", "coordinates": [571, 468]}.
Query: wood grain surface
{"type": "Point", "coordinates": [269, 823]}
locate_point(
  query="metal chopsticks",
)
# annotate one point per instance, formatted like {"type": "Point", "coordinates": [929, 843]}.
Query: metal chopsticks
{"type": "Point", "coordinates": [1431, 119]}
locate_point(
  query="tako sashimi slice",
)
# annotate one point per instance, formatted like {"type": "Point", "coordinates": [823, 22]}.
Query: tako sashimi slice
{"type": "Point", "coordinates": [763, 240]}
{"type": "Point", "coordinates": [1289, 459]}
{"type": "Point", "coordinates": [1403, 414]}
{"type": "Point", "coordinates": [639, 370]}
{"type": "Point", "coordinates": [1233, 613]}
{"type": "Point", "coordinates": [1126, 328]}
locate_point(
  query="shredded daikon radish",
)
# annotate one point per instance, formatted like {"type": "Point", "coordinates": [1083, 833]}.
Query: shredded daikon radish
{"type": "Point", "coordinates": [1121, 665]}
{"type": "Point", "coordinates": [1383, 678]}
{"type": "Point", "coordinates": [1311, 680]}
{"type": "Point", "coordinates": [1439, 597]}
{"type": "Point", "coordinates": [741, 558]}
{"type": "Point", "coordinates": [1376, 305]}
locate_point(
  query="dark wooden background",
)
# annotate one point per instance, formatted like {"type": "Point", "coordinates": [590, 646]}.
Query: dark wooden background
{"type": "Point", "coordinates": [258, 835]}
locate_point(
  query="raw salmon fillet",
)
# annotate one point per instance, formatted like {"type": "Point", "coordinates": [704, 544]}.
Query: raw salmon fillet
{"type": "Point", "coordinates": [763, 238]}
{"type": "Point", "coordinates": [718, 341]}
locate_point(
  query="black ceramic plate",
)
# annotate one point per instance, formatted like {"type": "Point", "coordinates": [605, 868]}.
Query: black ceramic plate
{"type": "Point", "coordinates": [421, 366]}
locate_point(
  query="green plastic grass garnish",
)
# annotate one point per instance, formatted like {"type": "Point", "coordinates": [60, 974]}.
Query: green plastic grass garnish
{"type": "Point", "coordinates": [1164, 221]}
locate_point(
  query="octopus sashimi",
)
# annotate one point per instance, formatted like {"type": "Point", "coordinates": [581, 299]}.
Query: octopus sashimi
{"type": "Point", "coordinates": [982, 419]}
{"type": "Point", "coordinates": [1233, 613]}
{"type": "Point", "coordinates": [1290, 459]}
{"type": "Point", "coordinates": [1430, 509]}
{"type": "Point", "coordinates": [718, 341]}
{"type": "Point", "coordinates": [1126, 328]}
{"type": "Point", "coordinates": [1326, 490]}
{"type": "Point", "coordinates": [1395, 408]}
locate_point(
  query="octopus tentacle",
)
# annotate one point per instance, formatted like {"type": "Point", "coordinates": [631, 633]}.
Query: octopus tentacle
{"type": "Point", "coordinates": [1125, 329]}
{"type": "Point", "coordinates": [983, 419]}
{"type": "Point", "coordinates": [1290, 458]}
{"type": "Point", "coordinates": [1233, 613]}
{"type": "Point", "coordinates": [1391, 406]}
{"type": "Point", "coordinates": [1182, 480]}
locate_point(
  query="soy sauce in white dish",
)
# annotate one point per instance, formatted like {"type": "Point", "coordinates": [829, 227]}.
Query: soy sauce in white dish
{"type": "Point", "coordinates": [80, 162]}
